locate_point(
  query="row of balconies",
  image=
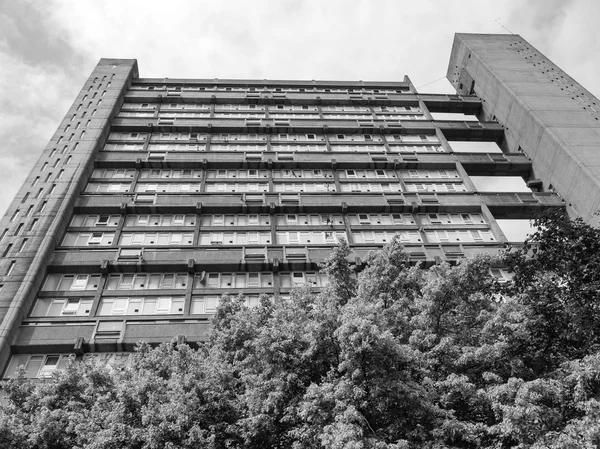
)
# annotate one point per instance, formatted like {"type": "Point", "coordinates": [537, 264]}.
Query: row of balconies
{"type": "Point", "coordinates": [502, 205]}
{"type": "Point", "coordinates": [514, 164]}
{"type": "Point", "coordinates": [434, 102]}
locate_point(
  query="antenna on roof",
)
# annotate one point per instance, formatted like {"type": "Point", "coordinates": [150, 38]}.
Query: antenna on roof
{"type": "Point", "coordinates": [502, 25]}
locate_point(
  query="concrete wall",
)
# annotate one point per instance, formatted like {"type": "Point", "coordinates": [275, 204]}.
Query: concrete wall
{"type": "Point", "coordinates": [50, 190]}
{"type": "Point", "coordinates": [545, 112]}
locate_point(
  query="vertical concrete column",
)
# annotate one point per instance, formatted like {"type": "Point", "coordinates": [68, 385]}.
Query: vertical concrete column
{"type": "Point", "coordinates": [494, 226]}
{"type": "Point", "coordinates": [21, 285]}
{"type": "Point", "coordinates": [465, 177]}
{"type": "Point", "coordinates": [426, 113]}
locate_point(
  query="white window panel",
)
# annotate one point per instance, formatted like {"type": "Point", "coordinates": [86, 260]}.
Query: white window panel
{"type": "Point", "coordinates": [297, 137]}
{"type": "Point", "coordinates": [310, 219]}
{"type": "Point", "coordinates": [452, 219]}
{"type": "Point", "coordinates": [94, 187]}
{"type": "Point", "coordinates": [183, 115]}
{"type": "Point", "coordinates": [160, 220]}
{"type": "Point", "coordinates": [381, 219]}
{"type": "Point", "coordinates": [235, 238]}
{"type": "Point", "coordinates": [61, 307]}
{"type": "Point", "coordinates": [297, 173]}
{"type": "Point", "coordinates": [416, 149]}
{"type": "Point", "coordinates": [236, 187]}
{"type": "Point", "coordinates": [139, 106]}
{"type": "Point", "coordinates": [66, 282]}
{"type": "Point", "coordinates": [94, 220]}
{"type": "Point", "coordinates": [176, 147]}
{"type": "Point", "coordinates": [345, 108]}
{"type": "Point", "coordinates": [236, 174]}
{"type": "Point", "coordinates": [437, 236]}
{"type": "Point", "coordinates": [355, 138]}
{"type": "Point", "coordinates": [412, 138]}
{"type": "Point", "coordinates": [370, 187]}
{"type": "Point", "coordinates": [160, 305]}
{"type": "Point", "coordinates": [379, 237]}
{"type": "Point", "coordinates": [233, 280]}
{"type": "Point", "coordinates": [239, 107]}
{"type": "Point", "coordinates": [470, 218]}
{"type": "Point", "coordinates": [236, 220]}
{"type": "Point", "coordinates": [113, 173]}
{"type": "Point", "coordinates": [282, 107]}
{"type": "Point", "coordinates": [123, 147]}
{"type": "Point", "coordinates": [298, 148]}
{"type": "Point", "coordinates": [127, 136]}
{"type": "Point", "coordinates": [168, 174]}
{"type": "Point", "coordinates": [151, 238]}
{"type": "Point", "coordinates": [434, 187]}
{"type": "Point", "coordinates": [298, 278]}
{"type": "Point", "coordinates": [223, 137]}
{"type": "Point", "coordinates": [304, 187]}
{"type": "Point", "coordinates": [309, 237]}
{"type": "Point", "coordinates": [402, 219]}
{"type": "Point", "coordinates": [40, 366]}
{"type": "Point", "coordinates": [276, 115]}
{"type": "Point", "coordinates": [88, 239]}
{"type": "Point", "coordinates": [358, 148]}
{"type": "Point", "coordinates": [168, 188]}
{"type": "Point", "coordinates": [204, 304]}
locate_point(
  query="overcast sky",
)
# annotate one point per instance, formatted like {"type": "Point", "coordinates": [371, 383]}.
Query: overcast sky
{"type": "Point", "coordinates": [49, 47]}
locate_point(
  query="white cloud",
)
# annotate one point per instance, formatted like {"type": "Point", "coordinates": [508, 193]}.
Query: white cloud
{"type": "Point", "coordinates": [336, 39]}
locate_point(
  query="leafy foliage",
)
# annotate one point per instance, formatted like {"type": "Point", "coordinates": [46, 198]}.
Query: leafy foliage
{"type": "Point", "coordinates": [397, 357]}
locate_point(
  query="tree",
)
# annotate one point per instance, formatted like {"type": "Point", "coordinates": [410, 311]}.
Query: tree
{"type": "Point", "coordinates": [393, 357]}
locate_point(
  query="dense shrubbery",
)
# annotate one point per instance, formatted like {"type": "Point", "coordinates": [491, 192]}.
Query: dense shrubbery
{"type": "Point", "coordinates": [400, 358]}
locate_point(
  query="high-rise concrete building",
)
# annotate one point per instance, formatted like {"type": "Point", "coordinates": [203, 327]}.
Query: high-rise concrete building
{"type": "Point", "coordinates": [546, 114]}
{"type": "Point", "coordinates": [156, 196]}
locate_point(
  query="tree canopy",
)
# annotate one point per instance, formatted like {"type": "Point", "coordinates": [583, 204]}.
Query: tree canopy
{"type": "Point", "coordinates": [396, 357]}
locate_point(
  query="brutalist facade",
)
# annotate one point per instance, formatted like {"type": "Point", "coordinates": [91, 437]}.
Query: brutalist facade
{"type": "Point", "coordinates": [156, 196]}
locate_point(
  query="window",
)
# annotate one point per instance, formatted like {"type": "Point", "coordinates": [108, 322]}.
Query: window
{"type": "Point", "coordinates": [309, 237]}
{"type": "Point", "coordinates": [7, 249]}
{"type": "Point", "coordinates": [153, 305]}
{"type": "Point", "coordinates": [206, 304]}
{"type": "Point", "coordinates": [297, 278]}
{"type": "Point", "coordinates": [156, 238]}
{"type": "Point", "coordinates": [380, 237]}
{"type": "Point", "coordinates": [54, 307]}
{"type": "Point", "coordinates": [88, 239]}
{"type": "Point", "coordinates": [236, 220]}
{"type": "Point", "coordinates": [38, 366]}
{"type": "Point", "coordinates": [233, 280]}
{"type": "Point", "coordinates": [235, 238]}
{"type": "Point", "coordinates": [94, 220]}
{"type": "Point", "coordinates": [146, 281]}
{"type": "Point", "coordinates": [68, 282]}
{"type": "Point", "coordinates": [23, 244]}
{"type": "Point", "coordinates": [160, 220]}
